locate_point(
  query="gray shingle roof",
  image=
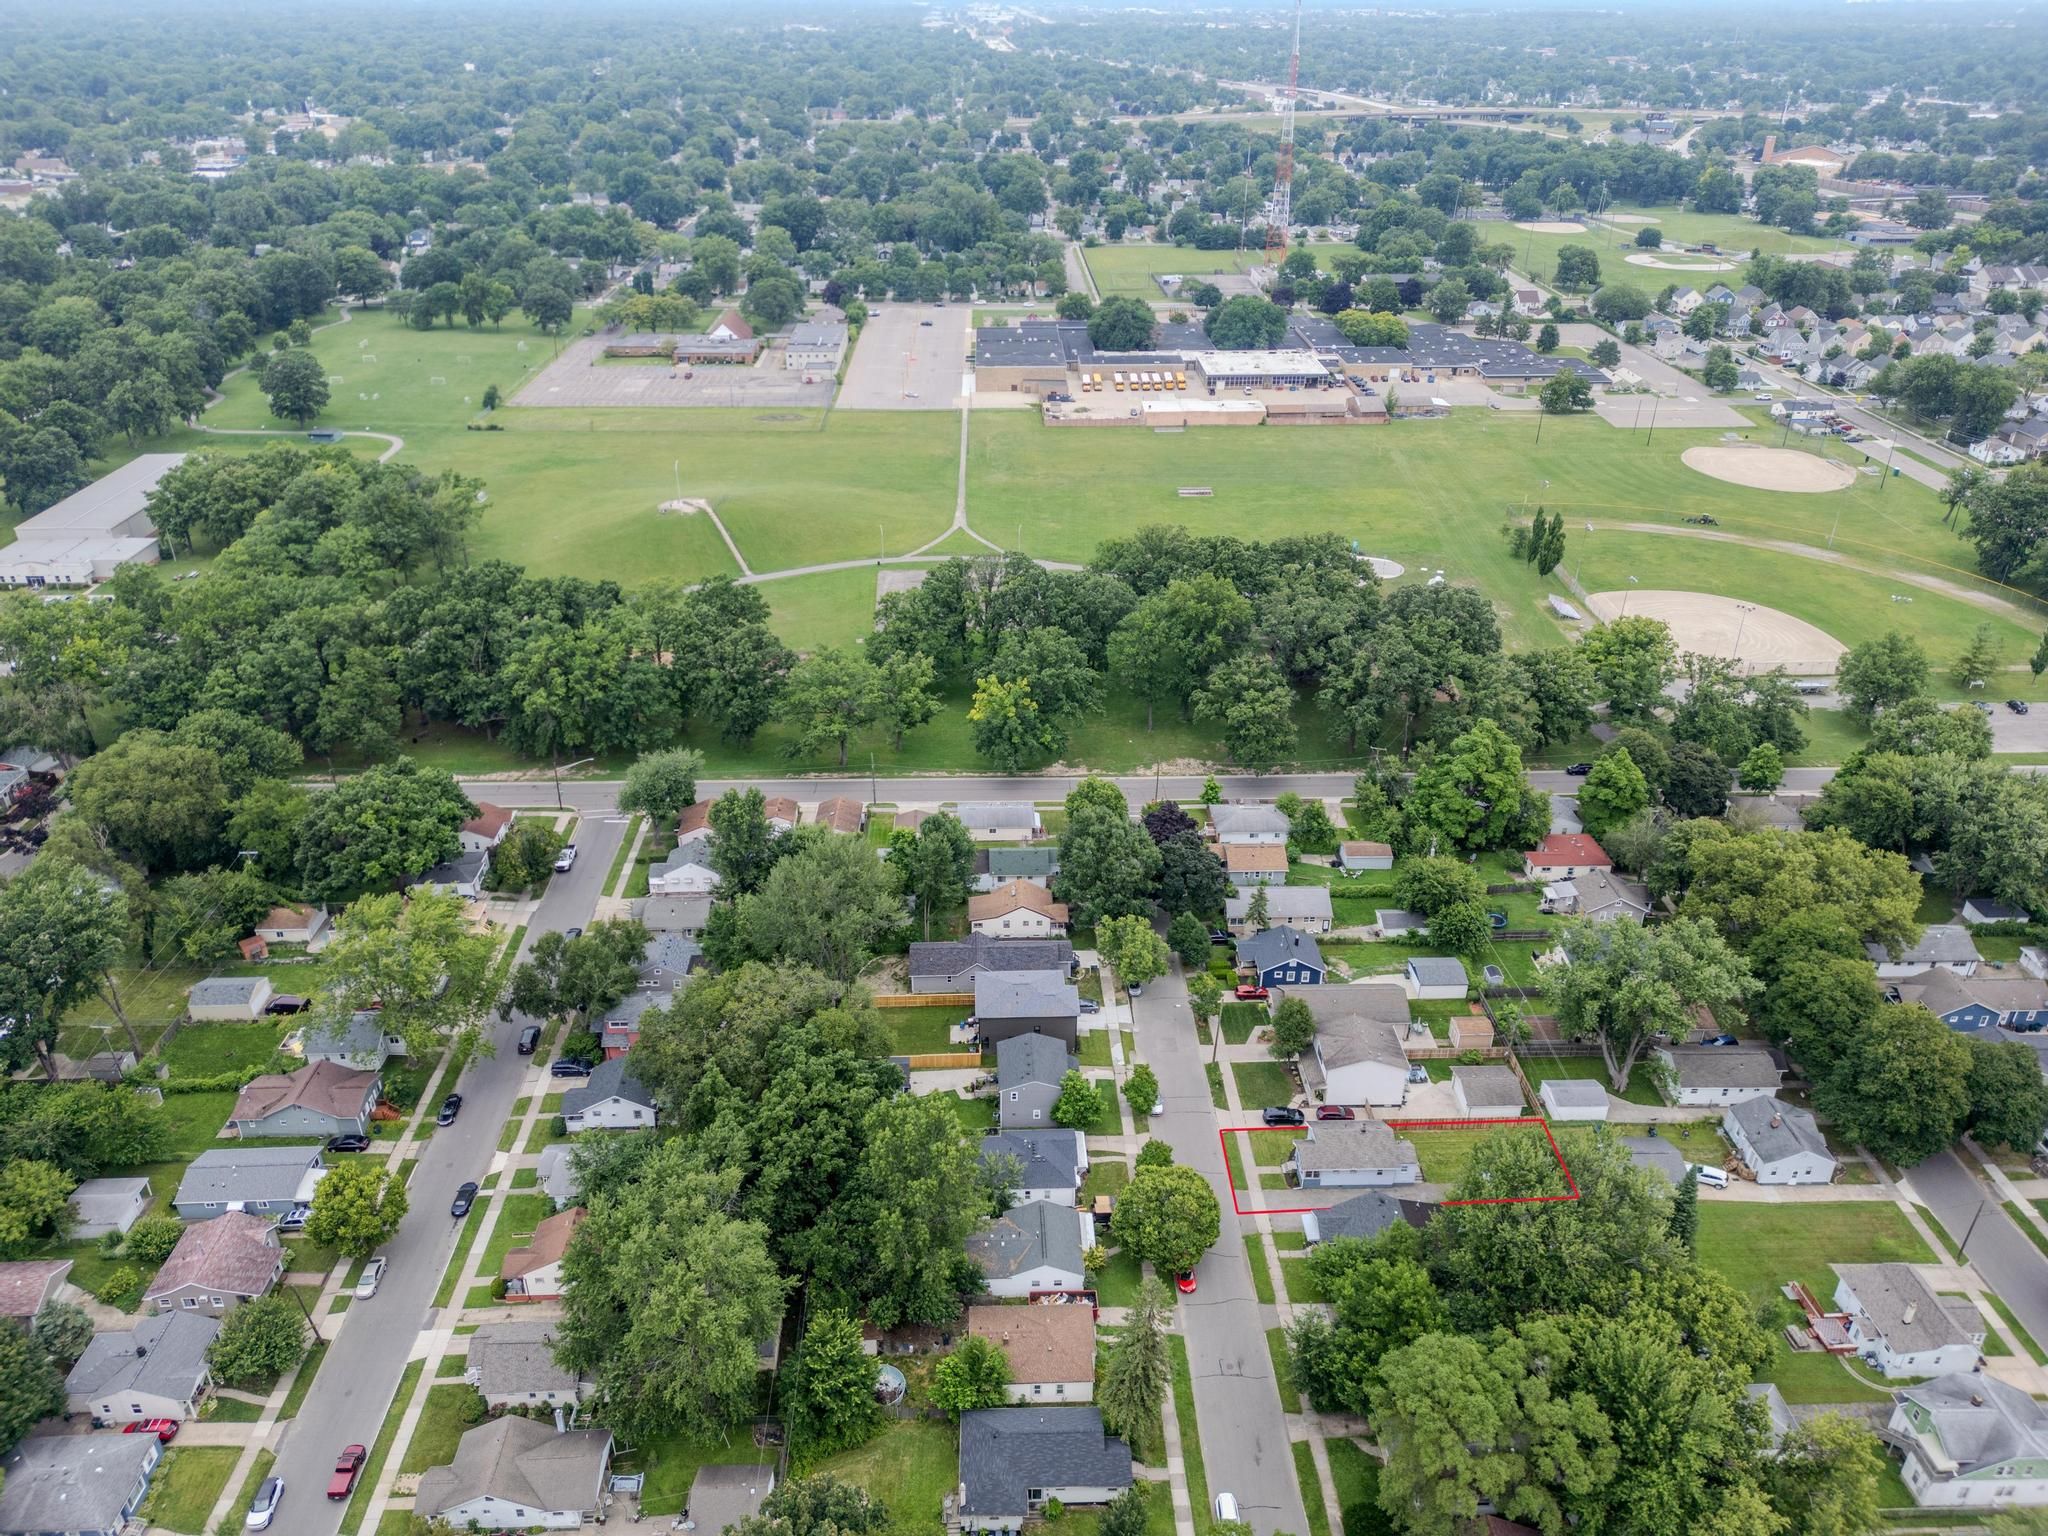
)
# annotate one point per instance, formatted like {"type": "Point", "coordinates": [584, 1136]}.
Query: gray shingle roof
{"type": "Point", "coordinates": [1023, 863]}
{"type": "Point", "coordinates": [556, 1173]}
{"type": "Point", "coordinates": [1723, 1066]}
{"type": "Point", "coordinates": [1025, 995]}
{"type": "Point", "coordinates": [1438, 971]}
{"type": "Point", "coordinates": [1493, 1087]}
{"type": "Point", "coordinates": [522, 1462]}
{"type": "Point", "coordinates": [1888, 1294]}
{"type": "Point", "coordinates": [1025, 1059]}
{"type": "Point", "coordinates": [164, 1355]}
{"type": "Point", "coordinates": [1284, 903]}
{"type": "Point", "coordinates": [361, 1033]}
{"type": "Point", "coordinates": [1975, 1418]}
{"type": "Point", "coordinates": [1277, 946]}
{"type": "Point", "coordinates": [1246, 820]}
{"type": "Point", "coordinates": [1576, 1092]}
{"type": "Point", "coordinates": [1342, 1145]}
{"type": "Point", "coordinates": [608, 1079]}
{"type": "Point", "coordinates": [226, 991]}
{"type": "Point", "coordinates": [1940, 944]}
{"type": "Point", "coordinates": [247, 1173]}
{"type": "Point", "coordinates": [1776, 1130]}
{"type": "Point", "coordinates": [1048, 1159]}
{"type": "Point", "coordinates": [72, 1482]}
{"type": "Point", "coordinates": [1654, 1152]}
{"type": "Point", "coordinates": [722, 1496]}
{"type": "Point", "coordinates": [517, 1357]}
{"type": "Point", "coordinates": [669, 915]}
{"type": "Point", "coordinates": [1006, 1452]}
{"type": "Point", "coordinates": [1026, 1236]}
{"type": "Point", "coordinates": [1365, 1215]}
{"type": "Point", "coordinates": [956, 956]}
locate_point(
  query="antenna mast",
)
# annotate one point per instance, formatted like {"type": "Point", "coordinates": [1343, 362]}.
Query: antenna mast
{"type": "Point", "coordinates": [1280, 215]}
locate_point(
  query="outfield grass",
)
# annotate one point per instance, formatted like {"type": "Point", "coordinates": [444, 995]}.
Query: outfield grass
{"type": "Point", "coordinates": [1129, 269]}
{"type": "Point", "coordinates": [1536, 252]}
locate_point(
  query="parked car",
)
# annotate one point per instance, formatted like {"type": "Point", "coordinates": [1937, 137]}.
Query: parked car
{"type": "Point", "coordinates": [465, 1197]}
{"type": "Point", "coordinates": [2017, 706]}
{"type": "Point", "coordinates": [285, 1002]}
{"type": "Point", "coordinates": [348, 1143]}
{"type": "Point", "coordinates": [1495, 976]}
{"type": "Point", "coordinates": [1185, 1282]}
{"type": "Point", "coordinates": [347, 1466]}
{"type": "Point", "coordinates": [1981, 706]}
{"type": "Point", "coordinates": [1335, 1112]}
{"type": "Point", "coordinates": [1283, 1114]}
{"type": "Point", "coordinates": [1136, 989]}
{"type": "Point", "coordinates": [925, 323]}
{"type": "Point", "coordinates": [1226, 1507]}
{"type": "Point", "coordinates": [1418, 1074]}
{"type": "Point", "coordinates": [566, 859]}
{"type": "Point", "coordinates": [1578, 770]}
{"type": "Point", "coordinates": [294, 1220]}
{"type": "Point", "coordinates": [450, 1108]}
{"type": "Point", "coordinates": [166, 1430]}
{"type": "Point", "coordinates": [529, 1039]}
{"type": "Point", "coordinates": [1089, 1005]}
{"type": "Point", "coordinates": [1252, 992]}
{"type": "Point", "coordinates": [263, 1508]}
{"type": "Point", "coordinates": [371, 1277]}
{"type": "Point", "coordinates": [567, 1068]}
{"type": "Point", "coordinates": [1721, 1040]}
{"type": "Point", "coordinates": [1219, 936]}
{"type": "Point", "coordinates": [572, 933]}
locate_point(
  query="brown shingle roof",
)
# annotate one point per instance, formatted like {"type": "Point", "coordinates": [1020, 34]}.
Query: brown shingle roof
{"type": "Point", "coordinates": [1255, 858]}
{"type": "Point", "coordinates": [286, 917]}
{"type": "Point", "coordinates": [1567, 850]}
{"type": "Point", "coordinates": [780, 808]}
{"type": "Point", "coordinates": [549, 1242]}
{"type": "Point", "coordinates": [695, 818]}
{"type": "Point", "coordinates": [23, 1285]}
{"type": "Point", "coordinates": [326, 1087]}
{"type": "Point", "coordinates": [488, 821]}
{"type": "Point", "coordinates": [1044, 1344]}
{"type": "Point", "coordinates": [1017, 895]}
{"type": "Point", "coordinates": [1367, 850]}
{"type": "Point", "coordinates": [235, 1252]}
{"type": "Point", "coordinates": [842, 813]}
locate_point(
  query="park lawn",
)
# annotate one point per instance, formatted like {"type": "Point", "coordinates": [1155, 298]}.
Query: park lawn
{"type": "Point", "coordinates": [828, 608]}
{"type": "Point", "coordinates": [187, 1484]}
{"type": "Point", "coordinates": [919, 1031]}
{"type": "Point", "coordinates": [1541, 1070]}
{"type": "Point", "coordinates": [1260, 1083]}
{"type": "Point", "coordinates": [439, 1431]}
{"type": "Point", "coordinates": [910, 1466]}
{"type": "Point", "coordinates": [1536, 251]}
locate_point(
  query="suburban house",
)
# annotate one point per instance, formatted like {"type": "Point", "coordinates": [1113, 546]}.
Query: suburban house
{"type": "Point", "coordinates": [1597, 895]}
{"type": "Point", "coordinates": [1976, 1004]}
{"type": "Point", "coordinates": [263, 1181]}
{"type": "Point", "coordinates": [1436, 978]}
{"type": "Point", "coordinates": [843, 814]}
{"type": "Point", "coordinates": [1014, 1461]}
{"type": "Point", "coordinates": [218, 1264]}
{"type": "Point", "coordinates": [620, 1031]}
{"type": "Point", "coordinates": [1350, 1154]}
{"type": "Point", "coordinates": [29, 1285]}
{"type": "Point", "coordinates": [782, 813]}
{"type": "Point", "coordinates": [1566, 856]}
{"type": "Point", "coordinates": [360, 1041]}
{"type": "Point", "coordinates": [514, 1473]}
{"type": "Point", "coordinates": [1487, 1093]}
{"type": "Point", "coordinates": [486, 829]}
{"type": "Point", "coordinates": [293, 925]}
{"type": "Point", "coordinates": [1050, 1164]}
{"type": "Point", "coordinates": [722, 1496]}
{"type": "Point", "coordinates": [461, 876]}
{"type": "Point", "coordinates": [610, 1099]}
{"type": "Point", "coordinates": [1356, 1056]}
{"type": "Point", "coordinates": [1719, 1074]}
{"type": "Point", "coordinates": [1655, 1153]}
{"type": "Point", "coordinates": [1357, 858]}
{"type": "Point", "coordinates": [533, 1272]}
{"type": "Point", "coordinates": [682, 873]}
{"type": "Point", "coordinates": [155, 1370]}
{"type": "Point", "coordinates": [1779, 1143]}
{"type": "Point", "coordinates": [1901, 1326]}
{"type": "Point", "coordinates": [1255, 863]}
{"type": "Point", "coordinates": [1365, 1215]}
{"type": "Point", "coordinates": [100, 1206]}
{"type": "Point", "coordinates": [1573, 1098]}
{"type": "Point", "coordinates": [684, 917]}
{"type": "Point", "coordinates": [80, 1485]}
{"type": "Point", "coordinates": [238, 998]}
{"type": "Point", "coordinates": [694, 824]}
{"type": "Point", "coordinates": [1306, 907]}
{"type": "Point", "coordinates": [319, 1100]}
{"type": "Point", "coordinates": [996, 866]}
{"type": "Point", "coordinates": [993, 821]}
{"type": "Point", "coordinates": [1281, 957]}
{"type": "Point", "coordinates": [511, 1363]}
{"type": "Point", "coordinates": [950, 965]}
{"type": "Point", "coordinates": [1051, 1350]}
{"type": "Point", "coordinates": [1008, 1003]}
{"type": "Point", "coordinates": [1947, 945]}
{"type": "Point", "coordinates": [1979, 910]}
{"type": "Point", "coordinates": [1973, 1441]}
{"type": "Point", "coordinates": [556, 1174]}
{"type": "Point", "coordinates": [1017, 910]}
{"type": "Point", "coordinates": [1028, 1073]}
{"type": "Point", "coordinates": [1036, 1246]}
{"type": "Point", "coordinates": [1248, 824]}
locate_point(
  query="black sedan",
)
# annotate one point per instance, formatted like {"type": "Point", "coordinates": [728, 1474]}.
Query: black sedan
{"type": "Point", "coordinates": [348, 1143]}
{"type": "Point", "coordinates": [1578, 770]}
{"type": "Point", "coordinates": [1277, 1114]}
{"type": "Point", "coordinates": [450, 1108]}
{"type": "Point", "coordinates": [465, 1197]}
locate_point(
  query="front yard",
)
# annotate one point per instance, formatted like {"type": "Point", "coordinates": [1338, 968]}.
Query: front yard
{"type": "Point", "coordinates": [186, 1485]}
{"type": "Point", "coordinates": [910, 1466]}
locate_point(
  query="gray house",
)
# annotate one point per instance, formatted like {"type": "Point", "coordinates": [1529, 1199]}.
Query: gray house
{"type": "Point", "coordinates": [1036, 1246]}
{"type": "Point", "coordinates": [1013, 1461]}
{"type": "Point", "coordinates": [610, 1099]}
{"type": "Point", "coordinates": [513, 1474]}
{"type": "Point", "coordinates": [156, 1370]}
{"type": "Point", "coordinates": [557, 1174]}
{"type": "Point", "coordinates": [1028, 1073]}
{"type": "Point", "coordinates": [359, 1042]}
{"type": "Point", "coordinates": [1352, 1154]}
{"type": "Point", "coordinates": [266, 1181]}
{"type": "Point", "coordinates": [952, 965]}
{"type": "Point", "coordinates": [324, 1099]}
{"type": "Point", "coordinates": [515, 1363]}
{"type": "Point", "coordinates": [1050, 1164]}
{"type": "Point", "coordinates": [1779, 1143]}
{"type": "Point", "coordinates": [1365, 1215]}
{"type": "Point", "coordinates": [79, 1485]}
{"type": "Point", "coordinates": [1011, 1003]}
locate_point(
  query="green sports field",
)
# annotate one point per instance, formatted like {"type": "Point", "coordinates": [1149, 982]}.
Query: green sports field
{"type": "Point", "coordinates": [1613, 241]}
{"type": "Point", "coordinates": [1129, 269]}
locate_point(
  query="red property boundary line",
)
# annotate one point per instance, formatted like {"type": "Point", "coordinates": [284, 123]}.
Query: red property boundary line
{"type": "Point", "coordinates": [1250, 1166]}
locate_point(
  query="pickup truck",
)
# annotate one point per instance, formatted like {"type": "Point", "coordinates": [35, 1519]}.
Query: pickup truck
{"type": "Point", "coordinates": [346, 1468]}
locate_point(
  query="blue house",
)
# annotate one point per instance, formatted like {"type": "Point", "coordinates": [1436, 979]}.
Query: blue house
{"type": "Point", "coordinates": [1977, 1005]}
{"type": "Point", "coordinates": [1282, 957]}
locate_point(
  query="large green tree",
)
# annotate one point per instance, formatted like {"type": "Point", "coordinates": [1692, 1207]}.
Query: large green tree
{"type": "Point", "coordinates": [1168, 1217]}
{"type": "Point", "coordinates": [380, 827]}
{"type": "Point", "coordinates": [830, 1398]}
{"type": "Point", "coordinates": [1626, 984]}
{"type": "Point", "coordinates": [357, 1207]}
{"type": "Point", "coordinates": [1108, 864]}
{"type": "Point", "coordinates": [1474, 796]}
{"type": "Point", "coordinates": [662, 784]}
{"type": "Point", "coordinates": [1901, 1087]}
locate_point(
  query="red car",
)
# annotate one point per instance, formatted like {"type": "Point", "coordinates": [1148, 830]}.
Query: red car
{"type": "Point", "coordinates": [346, 1468]}
{"type": "Point", "coordinates": [1335, 1112]}
{"type": "Point", "coordinates": [1185, 1283]}
{"type": "Point", "coordinates": [166, 1430]}
{"type": "Point", "coordinates": [1251, 993]}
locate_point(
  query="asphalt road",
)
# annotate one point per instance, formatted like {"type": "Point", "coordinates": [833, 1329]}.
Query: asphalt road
{"type": "Point", "coordinates": [2004, 1255]}
{"type": "Point", "coordinates": [1245, 1450]}
{"type": "Point", "coordinates": [374, 1339]}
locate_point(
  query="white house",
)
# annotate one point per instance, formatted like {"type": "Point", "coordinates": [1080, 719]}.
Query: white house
{"type": "Point", "coordinates": [1000, 821]}
{"type": "Point", "coordinates": [1901, 1326]}
{"type": "Point", "coordinates": [1436, 978]}
{"type": "Point", "coordinates": [682, 873]}
{"type": "Point", "coordinates": [237, 998]}
{"type": "Point", "coordinates": [155, 1370]}
{"type": "Point", "coordinates": [1779, 1143]}
{"type": "Point", "coordinates": [1050, 1165]}
{"type": "Point", "coordinates": [1719, 1075]}
{"type": "Point", "coordinates": [816, 346]}
{"type": "Point", "coordinates": [1979, 910]}
{"type": "Point", "coordinates": [1352, 1154]}
{"type": "Point", "coordinates": [1306, 907]}
{"type": "Point", "coordinates": [1947, 945]}
{"type": "Point", "coordinates": [1248, 824]}
{"type": "Point", "coordinates": [1035, 1246]}
{"type": "Point", "coordinates": [461, 876]}
{"type": "Point", "coordinates": [1356, 1056]}
{"type": "Point", "coordinates": [513, 1473]}
{"type": "Point", "coordinates": [533, 1271]}
{"type": "Point", "coordinates": [1573, 1098]}
{"type": "Point", "coordinates": [1017, 910]}
{"type": "Point", "coordinates": [610, 1099]}
{"type": "Point", "coordinates": [486, 829]}
{"type": "Point", "coordinates": [1051, 1350]}
{"type": "Point", "coordinates": [1974, 1442]}
{"type": "Point", "coordinates": [1487, 1093]}
{"type": "Point", "coordinates": [293, 925]}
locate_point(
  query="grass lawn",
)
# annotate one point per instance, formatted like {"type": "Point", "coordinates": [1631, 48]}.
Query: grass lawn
{"type": "Point", "coordinates": [451, 1365]}
{"type": "Point", "coordinates": [910, 1466]}
{"type": "Point", "coordinates": [1093, 1048]}
{"type": "Point", "coordinates": [671, 1464]}
{"type": "Point", "coordinates": [2013, 1325]}
{"type": "Point", "coordinates": [1300, 1281]}
{"type": "Point", "coordinates": [1190, 1434]}
{"type": "Point", "coordinates": [973, 1114]}
{"type": "Point", "coordinates": [309, 1368]}
{"type": "Point", "coordinates": [1283, 1367]}
{"type": "Point", "coordinates": [373, 1469]}
{"type": "Point", "coordinates": [230, 1410]}
{"type": "Point", "coordinates": [1311, 1489]}
{"type": "Point", "coordinates": [919, 1031]}
{"type": "Point", "coordinates": [1106, 1176]}
{"type": "Point", "coordinates": [1541, 1070]}
{"type": "Point", "coordinates": [522, 1213]}
{"type": "Point", "coordinates": [1357, 1476]}
{"type": "Point", "coordinates": [186, 1485]}
{"type": "Point", "coordinates": [440, 1427]}
{"type": "Point", "coordinates": [1109, 1120]}
{"type": "Point", "coordinates": [1129, 269]}
{"type": "Point", "coordinates": [1214, 1070]}
{"type": "Point", "coordinates": [1261, 1082]}
{"type": "Point", "coordinates": [1117, 1282]}
{"type": "Point", "coordinates": [1536, 252]}
{"type": "Point", "coordinates": [1158, 1514]}
{"type": "Point", "coordinates": [471, 1225]}
{"type": "Point", "coordinates": [257, 1472]}
{"type": "Point", "coordinates": [1241, 1019]}
{"type": "Point", "coordinates": [1445, 1155]}
{"type": "Point", "coordinates": [207, 1050]}
{"type": "Point", "coordinates": [1255, 1256]}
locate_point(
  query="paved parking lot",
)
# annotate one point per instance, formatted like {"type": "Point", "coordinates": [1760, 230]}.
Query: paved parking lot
{"type": "Point", "coordinates": [579, 378]}
{"type": "Point", "coordinates": [903, 363]}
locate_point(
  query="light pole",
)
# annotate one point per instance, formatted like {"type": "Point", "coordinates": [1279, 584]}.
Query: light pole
{"type": "Point", "coordinates": [1745, 609]}
{"type": "Point", "coordinates": [1625, 597]}
{"type": "Point", "coordinates": [1649, 435]}
{"type": "Point", "coordinates": [1890, 450]}
{"type": "Point", "coordinates": [558, 777]}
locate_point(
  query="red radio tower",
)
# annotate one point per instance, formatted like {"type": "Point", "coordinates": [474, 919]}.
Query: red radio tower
{"type": "Point", "coordinates": [1280, 212]}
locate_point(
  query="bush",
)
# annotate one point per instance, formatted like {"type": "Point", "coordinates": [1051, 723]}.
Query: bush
{"type": "Point", "coordinates": [151, 1239]}
{"type": "Point", "coordinates": [558, 1128]}
{"type": "Point", "coordinates": [473, 1407]}
{"type": "Point", "coordinates": [123, 1288]}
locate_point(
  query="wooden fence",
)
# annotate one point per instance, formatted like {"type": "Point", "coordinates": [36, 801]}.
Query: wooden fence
{"type": "Point", "coordinates": [925, 1000]}
{"type": "Point", "coordinates": [940, 1061]}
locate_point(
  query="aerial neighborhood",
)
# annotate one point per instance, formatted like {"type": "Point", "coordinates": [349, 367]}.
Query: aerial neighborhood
{"type": "Point", "coordinates": [644, 882]}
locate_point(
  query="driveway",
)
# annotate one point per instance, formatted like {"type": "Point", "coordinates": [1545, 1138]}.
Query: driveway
{"type": "Point", "coordinates": [374, 1339]}
{"type": "Point", "coordinates": [2004, 1255]}
{"type": "Point", "coordinates": [1245, 1449]}
{"type": "Point", "coordinates": [903, 364]}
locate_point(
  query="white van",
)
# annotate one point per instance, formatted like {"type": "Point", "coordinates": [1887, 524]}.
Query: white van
{"type": "Point", "coordinates": [1712, 1178]}
{"type": "Point", "coordinates": [1226, 1506]}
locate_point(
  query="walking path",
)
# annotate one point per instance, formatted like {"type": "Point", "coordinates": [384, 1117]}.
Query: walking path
{"type": "Point", "coordinates": [215, 397]}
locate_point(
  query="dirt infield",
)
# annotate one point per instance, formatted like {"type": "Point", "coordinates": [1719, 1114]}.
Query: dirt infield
{"type": "Point", "coordinates": [1644, 259]}
{"type": "Point", "coordinates": [1770, 469]}
{"type": "Point", "coordinates": [1712, 626]}
{"type": "Point", "coordinates": [1552, 227]}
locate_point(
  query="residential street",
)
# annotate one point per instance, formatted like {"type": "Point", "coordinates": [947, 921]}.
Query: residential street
{"type": "Point", "coordinates": [1245, 1448]}
{"type": "Point", "coordinates": [375, 1338]}
{"type": "Point", "coordinates": [2006, 1257]}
